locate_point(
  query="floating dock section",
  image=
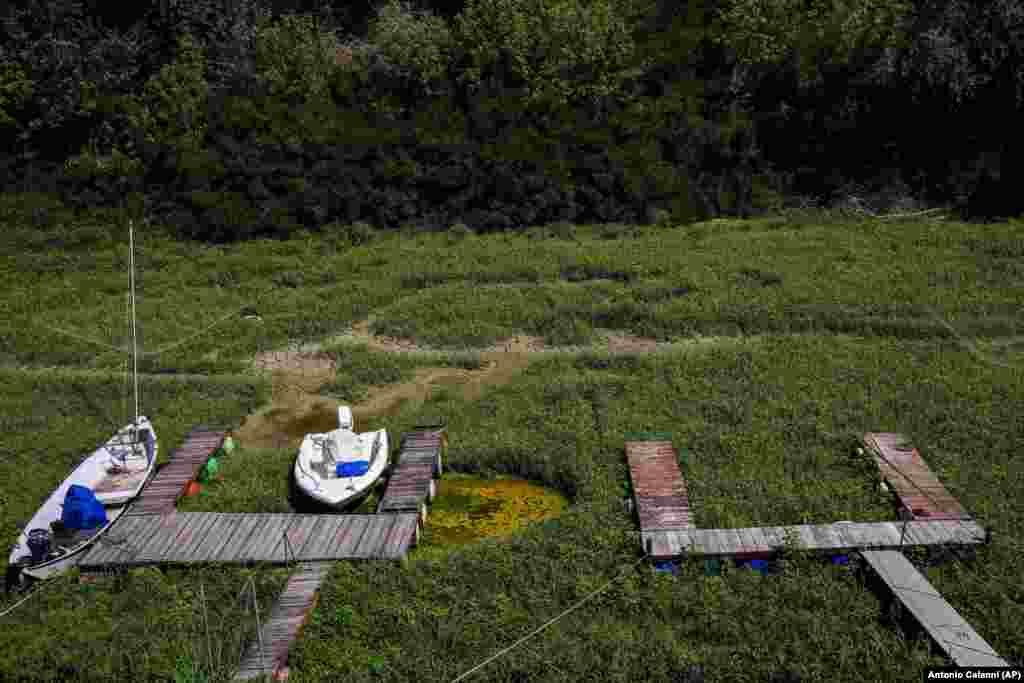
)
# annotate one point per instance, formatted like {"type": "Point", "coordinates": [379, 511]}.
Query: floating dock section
{"type": "Point", "coordinates": [268, 654]}
{"type": "Point", "coordinates": [241, 538]}
{"type": "Point", "coordinates": [920, 492]}
{"type": "Point", "coordinates": [830, 539]}
{"type": "Point", "coordinates": [659, 490]}
{"type": "Point", "coordinates": [161, 494]}
{"type": "Point", "coordinates": [947, 628]}
{"type": "Point", "coordinates": [411, 486]}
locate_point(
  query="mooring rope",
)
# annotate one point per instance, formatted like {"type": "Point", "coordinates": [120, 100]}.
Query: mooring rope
{"type": "Point", "coordinates": [543, 626]}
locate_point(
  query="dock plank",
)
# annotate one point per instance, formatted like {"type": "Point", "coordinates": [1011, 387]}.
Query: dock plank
{"type": "Point", "coordinates": [284, 624]}
{"type": "Point", "coordinates": [268, 535]}
{"type": "Point", "coordinates": [960, 642]}
{"type": "Point", "coordinates": [349, 534]}
{"type": "Point", "coordinates": [167, 527]}
{"type": "Point", "coordinates": [190, 536]}
{"type": "Point", "coordinates": [910, 477]}
{"type": "Point", "coordinates": [292, 540]}
{"type": "Point", "coordinates": [247, 528]}
{"type": "Point", "coordinates": [394, 538]}
{"type": "Point", "coordinates": [216, 537]}
{"type": "Point", "coordinates": [833, 538]}
{"type": "Point", "coordinates": [372, 538]}
{"type": "Point", "coordinates": [318, 547]}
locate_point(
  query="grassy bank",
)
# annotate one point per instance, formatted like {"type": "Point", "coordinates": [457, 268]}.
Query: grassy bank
{"type": "Point", "coordinates": [826, 330]}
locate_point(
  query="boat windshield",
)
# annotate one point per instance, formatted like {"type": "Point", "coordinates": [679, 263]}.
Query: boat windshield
{"type": "Point", "coordinates": [345, 444]}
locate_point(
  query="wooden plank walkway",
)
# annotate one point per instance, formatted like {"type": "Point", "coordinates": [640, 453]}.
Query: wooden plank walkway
{"type": "Point", "coordinates": [411, 486]}
{"type": "Point", "coordinates": [917, 488]}
{"type": "Point", "coordinates": [947, 628]}
{"type": "Point", "coordinates": [662, 501]}
{"type": "Point", "coordinates": [268, 653]}
{"type": "Point", "coordinates": [825, 538]}
{"type": "Point", "coordinates": [223, 537]}
{"type": "Point", "coordinates": [162, 492]}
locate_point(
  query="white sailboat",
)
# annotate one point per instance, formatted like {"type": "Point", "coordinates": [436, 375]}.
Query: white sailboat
{"type": "Point", "coordinates": [112, 476]}
{"type": "Point", "coordinates": [340, 467]}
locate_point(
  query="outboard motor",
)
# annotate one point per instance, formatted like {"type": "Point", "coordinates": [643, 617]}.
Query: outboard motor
{"type": "Point", "coordinates": [39, 544]}
{"type": "Point", "coordinates": [345, 418]}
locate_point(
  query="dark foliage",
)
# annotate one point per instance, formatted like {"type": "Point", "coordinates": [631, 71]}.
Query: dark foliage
{"type": "Point", "coordinates": [678, 142]}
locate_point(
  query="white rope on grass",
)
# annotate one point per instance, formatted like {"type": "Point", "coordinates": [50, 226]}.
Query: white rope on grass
{"type": "Point", "coordinates": [543, 626]}
{"type": "Point", "coordinates": [18, 604]}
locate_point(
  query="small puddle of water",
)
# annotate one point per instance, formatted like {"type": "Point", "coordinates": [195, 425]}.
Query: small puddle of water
{"type": "Point", "coordinates": [316, 419]}
{"type": "Point", "coordinates": [470, 509]}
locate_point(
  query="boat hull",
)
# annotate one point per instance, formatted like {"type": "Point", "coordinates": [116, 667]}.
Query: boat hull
{"type": "Point", "coordinates": [72, 557]}
{"type": "Point", "coordinates": [91, 473]}
{"type": "Point", "coordinates": [338, 493]}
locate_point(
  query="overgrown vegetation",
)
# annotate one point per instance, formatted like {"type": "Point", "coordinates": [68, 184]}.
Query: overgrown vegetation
{"type": "Point", "coordinates": [796, 335]}
{"type": "Point", "coordinates": [795, 332]}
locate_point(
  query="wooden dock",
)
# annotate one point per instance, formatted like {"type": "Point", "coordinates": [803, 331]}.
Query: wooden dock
{"type": "Point", "coordinates": [659, 490]}
{"type": "Point", "coordinates": [162, 492]}
{"type": "Point", "coordinates": [411, 486]}
{"type": "Point", "coordinates": [824, 538]}
{"type": "Point", "coordinates": [221, 537]}
{"type": "Point", "coordinates": [918, 489]}
{"type": "Point", "coordinates": [268, 653]}
{"type": "Point", "coordinates": [944, 625]}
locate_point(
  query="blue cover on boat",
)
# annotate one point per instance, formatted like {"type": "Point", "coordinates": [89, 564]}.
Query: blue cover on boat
{"type": "Point", "coordinates": [353, 469]}
{"type": "Point", "coordinates": [82, 510]}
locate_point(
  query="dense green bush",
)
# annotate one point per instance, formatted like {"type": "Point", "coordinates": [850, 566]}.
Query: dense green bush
{"type": "Point", "coordinates": [354, 235]}
{"type": "Point", "coordinates": [418, 41]}
{"type": "Point", "coordinates": [564, 50]}
{"type": "Point", "coordinates": [173, 106]}
{"type": "Point", "coordinates": [15, 88]}
{"type": "Point", "coordinates": [295, 57]}
{"type": "Point", "coordinates": [89, 165]}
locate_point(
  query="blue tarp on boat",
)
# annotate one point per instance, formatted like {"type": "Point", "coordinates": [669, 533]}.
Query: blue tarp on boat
{"type": "Point", "coordinates": [82, 510]}
{"type": "Point", "coordinates": [353, 469]}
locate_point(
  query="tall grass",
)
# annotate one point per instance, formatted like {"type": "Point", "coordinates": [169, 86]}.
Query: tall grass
{"type": "Point", "coordinates": [812, 333]}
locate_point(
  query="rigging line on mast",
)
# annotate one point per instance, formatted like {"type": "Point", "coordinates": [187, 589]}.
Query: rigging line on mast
{"type": "Point", "coordinates": [85, 339]}
{"type": "Point", "coordinates": [135, 355]}
{"type": "Point", "coordinates": [202, 331]}
{"type": "Point", "coordinates": [123, 349]}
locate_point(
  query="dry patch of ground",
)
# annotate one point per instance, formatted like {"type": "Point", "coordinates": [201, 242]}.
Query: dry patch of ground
{"type": "Point", "coordinates": [296, 407]}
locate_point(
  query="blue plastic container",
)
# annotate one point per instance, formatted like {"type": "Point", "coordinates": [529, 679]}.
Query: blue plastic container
{"type": "Point", "coordinates": [760, 565]}
{"type": "Point", "coordinates": [353, 469]}
{"type": "Point", "coordinates": [666, 567]}
{"type": "Point", "coordinates": [841, 559]}
{"type": "Point", "coordinates": [712, 567]}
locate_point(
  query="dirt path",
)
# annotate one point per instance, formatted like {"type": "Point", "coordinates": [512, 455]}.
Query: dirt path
{"type": "Point", "coordinates": [296, 408]}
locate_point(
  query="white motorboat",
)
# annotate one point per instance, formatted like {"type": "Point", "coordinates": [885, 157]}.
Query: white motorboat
{"type": "Point", "coordinates": [340, 467]}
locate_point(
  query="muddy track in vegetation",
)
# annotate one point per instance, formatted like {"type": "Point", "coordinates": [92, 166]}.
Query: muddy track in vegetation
{"type": "Point", "coordinates": [298, 375]}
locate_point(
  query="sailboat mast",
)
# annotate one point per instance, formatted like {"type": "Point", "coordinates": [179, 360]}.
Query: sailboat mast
{"type": "Point", "coordinates": [135, 354]}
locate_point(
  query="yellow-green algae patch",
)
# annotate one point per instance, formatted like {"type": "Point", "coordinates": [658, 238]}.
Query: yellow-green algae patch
{"type": "Point", "coordinates": [469, 509]}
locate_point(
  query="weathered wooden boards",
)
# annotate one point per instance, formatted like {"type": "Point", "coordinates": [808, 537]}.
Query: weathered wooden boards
{"type": "Point", "coordinates": [958, 640]}
{"type": "Point", "coordinates": [268, 653]}
{"type": "Point", "coordinates": [824, 538]}
{"type": "Point", "coordinates": [918, 489]}
{"type": "Point", "coordinates": [162, 492]}
{"type": "Point", "coordinates": [411, 486]}
{"type": "Point", "coordinates": [659, 489]}
{"type": "Point", "coordinates": [189, 537]}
